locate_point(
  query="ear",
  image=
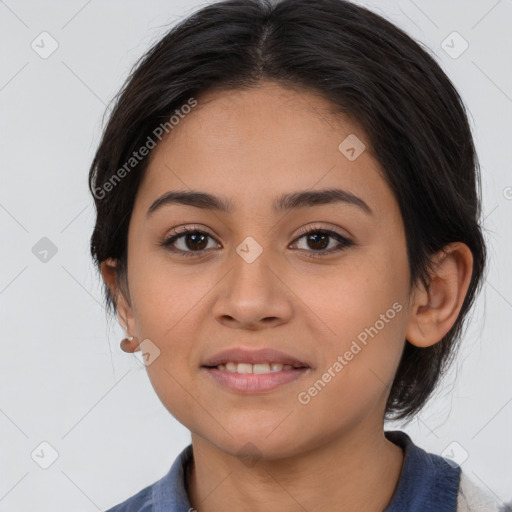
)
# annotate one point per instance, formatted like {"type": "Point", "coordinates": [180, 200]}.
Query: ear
{"type": "Point", "coordinates": [435, 311]}
{"type": "Point", "coordinates": [124, 309]}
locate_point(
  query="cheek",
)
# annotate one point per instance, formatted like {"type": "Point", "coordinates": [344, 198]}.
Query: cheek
{"type": "Point", "coordinates": [169, 307]}
{"type": "Point", "coordinates": [359, 316]}
{"type": "Point", "coordinates": [355, 379]}
{"type": "Point", "coordinates": [165, 295]}
{"type": "Point", "coordinates": [348, 297]}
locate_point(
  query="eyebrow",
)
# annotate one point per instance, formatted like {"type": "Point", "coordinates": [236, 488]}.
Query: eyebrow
{"type": "Point", "coordinates": [283, 204]}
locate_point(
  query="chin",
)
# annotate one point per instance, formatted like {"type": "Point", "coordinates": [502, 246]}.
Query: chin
{"type": "Point", "coordinates": [256, 443]}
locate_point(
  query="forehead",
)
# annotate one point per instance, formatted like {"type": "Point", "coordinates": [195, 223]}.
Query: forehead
{"type": "Point", "coordinates": [255, 144]}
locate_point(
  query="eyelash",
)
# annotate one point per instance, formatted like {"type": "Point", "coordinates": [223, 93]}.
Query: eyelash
{"type": "Point", "coordinates": [345, 242]}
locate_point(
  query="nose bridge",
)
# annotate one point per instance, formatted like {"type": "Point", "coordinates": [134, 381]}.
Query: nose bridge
{"type": "Point", "coordinates": [253, 291]}
{"type": "Point", "coordinates": [253, 276]}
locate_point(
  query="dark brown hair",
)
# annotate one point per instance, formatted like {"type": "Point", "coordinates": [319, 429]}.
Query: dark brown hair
{"type": "Point", "coordinates": [369, 70]}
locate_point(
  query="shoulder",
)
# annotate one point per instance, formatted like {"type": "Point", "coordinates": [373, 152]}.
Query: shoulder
{"type": "Point", "coordinates": [427, 481]}
{"type": "Point", "coordinates": [473, 498]}
{"type": "Point", "coordinates": [432, 483]}
{"type": "Point", "coordinates": [142, 501]}
{"type": "Point", "coordinates": [168, 494]}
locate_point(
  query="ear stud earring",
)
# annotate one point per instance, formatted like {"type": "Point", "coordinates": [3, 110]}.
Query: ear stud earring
{"type": "Point", "coordinates": [125, 342]}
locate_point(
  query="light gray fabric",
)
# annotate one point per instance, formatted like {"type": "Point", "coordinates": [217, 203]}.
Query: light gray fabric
{"type": "Point", "coordinates": [472, 498]}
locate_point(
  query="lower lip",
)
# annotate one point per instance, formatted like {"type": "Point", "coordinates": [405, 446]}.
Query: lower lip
{"type": "Point", "coordinates": [254, 382]}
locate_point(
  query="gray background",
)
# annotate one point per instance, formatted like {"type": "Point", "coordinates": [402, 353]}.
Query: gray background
{"type": "Point", "coordinates": [65, 380]}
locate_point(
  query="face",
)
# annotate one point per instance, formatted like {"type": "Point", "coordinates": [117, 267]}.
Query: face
{"type": "Point", "coordinates": [334, 299]}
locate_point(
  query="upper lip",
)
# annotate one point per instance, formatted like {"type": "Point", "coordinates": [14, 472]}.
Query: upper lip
{"type": "Point", "coordinates": [243, 355]}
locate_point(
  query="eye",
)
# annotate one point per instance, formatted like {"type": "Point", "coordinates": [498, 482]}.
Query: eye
{"type": "Point", "coordinates": [192, 241]}
{"type": "Point", "coordinates": [320, 239]}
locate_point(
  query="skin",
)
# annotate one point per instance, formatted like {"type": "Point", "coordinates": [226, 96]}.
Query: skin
{"type": "Point", "coordinates": [252, 146]}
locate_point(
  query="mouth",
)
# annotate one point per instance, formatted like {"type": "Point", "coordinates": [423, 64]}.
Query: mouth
{"type": "Point", "coordinates": [256, 371]}
{"type": "Point", "coordinates": [258, 368]}
{"type": "Point", "coordinates": [241, 358]}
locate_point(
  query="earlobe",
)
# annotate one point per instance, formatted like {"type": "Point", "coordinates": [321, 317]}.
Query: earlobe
{"type": "Point", "coordinates": [435, 310]}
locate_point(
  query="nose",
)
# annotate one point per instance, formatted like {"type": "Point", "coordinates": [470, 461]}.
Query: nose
{"type": "Point", "coordinates": [253, 295]}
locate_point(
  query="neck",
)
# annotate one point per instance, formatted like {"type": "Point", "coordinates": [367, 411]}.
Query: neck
{"type": "Point", "coordinates": [356, 472]}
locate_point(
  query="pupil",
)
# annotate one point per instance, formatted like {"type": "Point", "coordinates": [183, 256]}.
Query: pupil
{"type": "Point", "coordinates": [315, 237]}
{"type": "Point", "coordinates": [195, 237]}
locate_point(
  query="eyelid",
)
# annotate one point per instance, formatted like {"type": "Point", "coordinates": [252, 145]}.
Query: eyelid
{"type": "Point", "coordinates": [326, 227]}
{"type": "Point", "coordinates": [303, 231]}
{"type": "Point", "coordinates": [187, 229]}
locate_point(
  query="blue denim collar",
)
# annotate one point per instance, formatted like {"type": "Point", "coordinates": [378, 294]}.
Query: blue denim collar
{"type": "Point", "coordinates": [428, 482]}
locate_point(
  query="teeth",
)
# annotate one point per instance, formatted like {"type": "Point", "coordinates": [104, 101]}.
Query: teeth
{"type": "Point", "coordinates": [261, 368]}
{"type": "Point", "coordinates": [244, 368]}
{"type": "Point", "coordinates": [254, 368]}
{"type": "Point", "coordinates": [230, 367]}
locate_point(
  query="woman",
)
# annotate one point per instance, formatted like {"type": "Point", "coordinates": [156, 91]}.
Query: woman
{"type": "Point", "coordinates": [288, 230]}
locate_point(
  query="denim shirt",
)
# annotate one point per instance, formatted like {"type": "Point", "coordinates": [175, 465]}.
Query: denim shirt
{"type": "Point", "coordinates": [427, 483]}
